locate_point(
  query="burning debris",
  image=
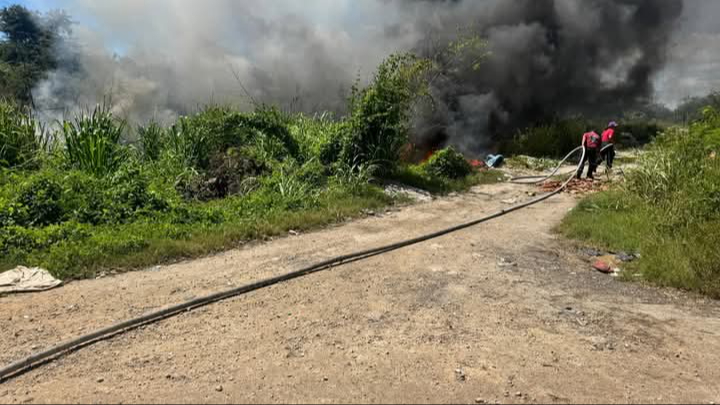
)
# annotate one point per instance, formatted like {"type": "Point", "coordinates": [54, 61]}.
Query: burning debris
{"type": "Point", "coordinates": [576, 186]}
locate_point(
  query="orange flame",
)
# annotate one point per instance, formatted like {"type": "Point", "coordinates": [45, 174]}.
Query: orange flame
{"type": "Point", "coordinates": [428, 155]}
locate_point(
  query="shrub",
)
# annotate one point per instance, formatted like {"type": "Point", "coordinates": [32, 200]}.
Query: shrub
{"type": "Point", "coordinates": [448, 163]}
{"type": "Point", "coordinates": [40, 201]}
{"type": "Point", "coordinates": [554, 140]}
{"type": "Point", "coordinates": [196, 140]}
{"type": "Point", "coordinates": [318, 137]}
{"type": "Point", "coordinates": [92, 141]}
{"type": "Point", "coordinates": [380, 113]}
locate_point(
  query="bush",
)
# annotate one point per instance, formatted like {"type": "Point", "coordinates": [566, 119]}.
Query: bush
{"type": "Point", "coordinates": [92, 142]}
{"type": "Point", "coordinates": [264, 135]}
{"type": "Point", "coordinates": [319, 137]}
{"type": "Point", "coordinates": [552, 140]}
{"type": "Point", "coordinates": [448, 163]}
{"type": "Point", "coordinates": [21, 138]}
{"type": "Point", "coordinates": [380, 113]}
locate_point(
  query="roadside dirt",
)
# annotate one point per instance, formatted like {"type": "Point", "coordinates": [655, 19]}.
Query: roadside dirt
{"type": "Point", "coordinates": [504, 312]}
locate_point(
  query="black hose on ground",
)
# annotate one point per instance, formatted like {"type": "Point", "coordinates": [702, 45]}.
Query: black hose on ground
{"type": "Point", "coordinates": [26, 364]}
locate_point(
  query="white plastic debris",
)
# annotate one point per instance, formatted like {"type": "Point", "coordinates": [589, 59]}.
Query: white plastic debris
{"type": "Point", "coordinates": [23, 279]}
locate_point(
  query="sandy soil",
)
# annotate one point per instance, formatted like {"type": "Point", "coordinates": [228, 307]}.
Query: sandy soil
{"type": "Point", "coordinates": [443, 321]}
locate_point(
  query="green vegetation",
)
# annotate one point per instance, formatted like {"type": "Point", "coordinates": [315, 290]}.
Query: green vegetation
{"type": "Point", "coordinates": [668, 210]}
{"type": "Point", "coordinates": [449, 164]}
{"type": "Point", "coordinates": [21, 138]}
{"type": "Point", "coordinates": [445, 172]}
{"type": "Point", "coordinates": [380, 114]}
{"type": "Point", "coordinates": [557, 138]}
{"type": "Point", "coordinates": [89, 201]}
{"type": "Point", "coordinates": [27, 43]}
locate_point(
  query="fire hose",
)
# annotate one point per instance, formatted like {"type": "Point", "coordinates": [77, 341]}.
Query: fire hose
{"type": "Point", "coordinates": [44, 357]}
{"type": "Point", "coordinates": [542, 178]}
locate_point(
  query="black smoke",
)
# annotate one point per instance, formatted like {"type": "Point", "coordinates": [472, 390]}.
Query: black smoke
{"type": "Point", "coordinates": [548, 58]}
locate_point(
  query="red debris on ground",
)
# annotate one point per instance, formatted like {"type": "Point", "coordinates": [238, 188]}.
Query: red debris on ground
{"type": "Point", "coordinates": [477, 164]}
{"type": "Point", "coordinates": [602, 266]}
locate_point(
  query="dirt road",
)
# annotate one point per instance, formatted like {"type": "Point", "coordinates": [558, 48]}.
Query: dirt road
{"type": "Point", "coordinates": [438, 322]}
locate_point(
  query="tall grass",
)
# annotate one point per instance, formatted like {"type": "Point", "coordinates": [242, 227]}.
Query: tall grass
{"type": "Point", "coordinates": [92, 141]}
{"type": "Point", "coordinates": [669, 210]}
{"type": "Point", "coordinates": [21, 137]}
{"type": "Point", "coordinates": [152, 138]}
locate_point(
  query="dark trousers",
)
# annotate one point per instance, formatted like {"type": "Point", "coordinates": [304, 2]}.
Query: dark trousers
{"type": "Point", "coordinates": [591, 157]}
{"type": "Point", "coordinates": [608, 155]}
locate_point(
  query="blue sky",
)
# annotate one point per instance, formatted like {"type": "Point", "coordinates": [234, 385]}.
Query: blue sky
{"type": "Point", "coordinates": [337, 13]}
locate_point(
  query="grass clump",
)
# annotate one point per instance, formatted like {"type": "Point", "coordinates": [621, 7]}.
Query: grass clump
{"type": "Point", "coordinates": [21, 138]}
{"type": "Point", "coordinates": [669, 210]}
{"type": "Point", "coordinates": [92, 141]}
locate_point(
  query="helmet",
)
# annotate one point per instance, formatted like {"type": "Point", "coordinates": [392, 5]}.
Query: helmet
{"type": "Point", "coordinates": [612, 124]}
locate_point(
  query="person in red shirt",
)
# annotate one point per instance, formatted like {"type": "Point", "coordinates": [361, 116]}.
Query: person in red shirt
{"type": "Point", "coordinates": [591, 142]}
{"type": "Point", "coordinates": [607, 153]}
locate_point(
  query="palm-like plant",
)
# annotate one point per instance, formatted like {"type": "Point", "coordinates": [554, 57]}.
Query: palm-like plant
{"type": "Point", "coordinates": [92, 141]}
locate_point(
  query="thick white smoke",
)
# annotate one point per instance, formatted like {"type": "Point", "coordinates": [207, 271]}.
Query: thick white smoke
{"type": "Point", "coordinates": [164, 58]}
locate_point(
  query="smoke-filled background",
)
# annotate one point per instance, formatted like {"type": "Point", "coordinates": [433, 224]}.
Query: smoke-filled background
{"type": "Point", "coordinates": [163, 58]}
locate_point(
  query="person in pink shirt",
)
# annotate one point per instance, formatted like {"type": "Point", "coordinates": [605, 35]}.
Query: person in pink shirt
{"type": "Point", "coordinates": [607, 153]}
{"type": "Point", "coordinates": [591, 142]}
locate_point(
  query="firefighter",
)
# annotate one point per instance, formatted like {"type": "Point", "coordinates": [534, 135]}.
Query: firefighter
{"type": "Point", "coordinates": [607, 153]}
{"type": "Point", "coordinates": [591, 143]}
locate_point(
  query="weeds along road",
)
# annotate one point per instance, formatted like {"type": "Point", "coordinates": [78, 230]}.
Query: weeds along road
{"type": "Point", "coordinates": [442, 321]}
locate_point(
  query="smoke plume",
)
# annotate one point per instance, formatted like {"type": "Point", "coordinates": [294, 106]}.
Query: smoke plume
{"type": "Point", "coordinates": [163, 58]}
{"type": "Point", "coordinates": [548, 58]}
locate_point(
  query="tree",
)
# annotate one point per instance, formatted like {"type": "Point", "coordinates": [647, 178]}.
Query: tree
{"type": "Point", "coordinates": [27, 45]}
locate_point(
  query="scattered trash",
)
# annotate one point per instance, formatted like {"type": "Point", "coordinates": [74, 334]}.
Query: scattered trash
{"type": "Point", "coordinates": [511, 201]}
{"type": "Point", "coordinates": [582, 186]}
{"type": "Point", "coordinates": [23, 279]}
{"type": "Point", "coordinates": [416, 194]}
{"type": "Point", "coordinates": [602, 266]}
{"type": "Point", "coordinates": [495, 161]}
{"type": "Point", "coordinates": [591, 252]}
{"type": "Point", "coordinates": [503, 262]}
{"type": "Point", "coordinates": [460, 375]}
{"type": "Point", "coordinates": [607, 264]}
{"type": "Point", "coordinates": [293, 233]}
{"type": "Point", "coordinates": [219, 388]}
{"type": "Point", "coordinates": [624, 257]}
